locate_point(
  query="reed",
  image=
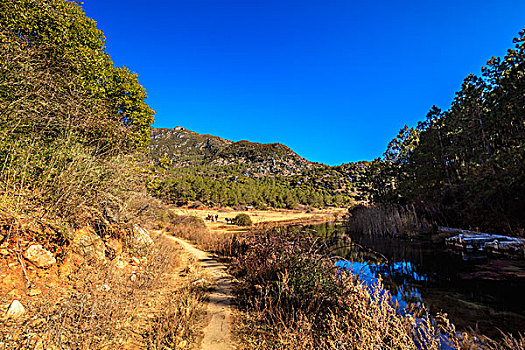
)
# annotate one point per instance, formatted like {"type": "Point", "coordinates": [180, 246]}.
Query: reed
{"type": "Point", "coordinates": [388, 219]}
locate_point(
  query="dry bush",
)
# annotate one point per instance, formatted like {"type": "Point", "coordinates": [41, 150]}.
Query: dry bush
{"type": "Point", "coordinates": [175, 327]}
{"type": "Point", "coordinates": [108, 308]}
{"type": "Point", "coordinates": [243, 220]}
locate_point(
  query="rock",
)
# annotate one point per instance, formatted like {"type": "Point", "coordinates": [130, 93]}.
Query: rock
{"type": "Point", "coordinates": [104, 288]}
{"type": "Point", "coordinates": [70, 264]}
{"type": "Point", "coordinates": [88, 245]}
{"type": "Point", "coordinates": [189, 269]}
{"type": "Point", "coordinates": [135, 261]}
{"type": "Point", "coordinates": [39, 256]}
{"type": "Point", "coordinates": [141, 237]}
{"type": "Point", "coordinates": [14, 292]}
{"type": "Point", "coordinates": [15, 310]}
{"type": "Point", "coordinates": [39, 322]}
{"type": "Point", "coordinates": [39, 345]}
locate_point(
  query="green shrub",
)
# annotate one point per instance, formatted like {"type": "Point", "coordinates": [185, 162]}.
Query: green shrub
{"type": "Point", "coordinates": [243, 220]}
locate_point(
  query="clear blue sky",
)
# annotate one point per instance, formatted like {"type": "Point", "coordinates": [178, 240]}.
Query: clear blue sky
{"type": "Point", "coordinates": [333, 80]}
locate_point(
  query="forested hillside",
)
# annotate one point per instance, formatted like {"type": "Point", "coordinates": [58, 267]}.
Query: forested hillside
{"type": "Point", "coordinates": [215, 171]}
{"type": "Point", "coordinates": [465, 166]}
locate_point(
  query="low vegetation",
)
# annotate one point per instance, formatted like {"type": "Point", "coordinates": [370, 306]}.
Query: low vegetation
{"type": "Point", "coordinates": [243, 220]}
{"type": "Point", "coordinates": [293, 297]}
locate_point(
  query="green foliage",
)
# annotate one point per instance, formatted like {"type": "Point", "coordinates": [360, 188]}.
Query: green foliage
{"type": "Point", "coordinates": [467, 163]}
{"type": "Point", "coordinates": [52, 54]}
{"type": "Point", "coordinates": [243, 220]}
{"type": "Point", "coordinates": [68, 116]}
{"type": "Point", "coordinates": [223, 186]}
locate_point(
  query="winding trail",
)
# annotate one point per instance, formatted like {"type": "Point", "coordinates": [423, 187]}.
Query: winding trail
{"type": "Point", "coordinates": [217, 334]}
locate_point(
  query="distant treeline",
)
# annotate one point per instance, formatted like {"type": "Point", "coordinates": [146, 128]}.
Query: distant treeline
{"type": "Point", "coordinates": [465, 166]}
{"type": "Point", "coordinates": [231, 188]}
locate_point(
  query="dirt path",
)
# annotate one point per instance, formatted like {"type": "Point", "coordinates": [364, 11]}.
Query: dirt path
{"type": "Point", "coordinates": [217, 335]}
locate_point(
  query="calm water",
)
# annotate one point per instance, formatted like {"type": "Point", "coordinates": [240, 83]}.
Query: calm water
{"type": "Point", "coordinates": [473, 290]}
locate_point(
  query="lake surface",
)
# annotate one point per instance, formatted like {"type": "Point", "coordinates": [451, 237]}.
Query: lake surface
{"type": "Point", "coordinates": [475, 291]}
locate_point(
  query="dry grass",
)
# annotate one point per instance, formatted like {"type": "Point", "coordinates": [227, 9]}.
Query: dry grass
{"type": "Point", "coordinates": [292, 297]}
{"type": "Point", "coordinates": [115, 308]}
{"type": "Point", "coordinates": [226, 240]}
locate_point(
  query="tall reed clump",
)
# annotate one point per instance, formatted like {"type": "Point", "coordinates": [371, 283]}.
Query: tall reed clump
{"type": "Point", "coordinates": [387, 219]}
{"type": "Point", "coordinates": [291, 296]}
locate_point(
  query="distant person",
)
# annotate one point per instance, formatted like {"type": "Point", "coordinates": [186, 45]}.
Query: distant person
{"type": "Point", "coordinates": [217, 217]}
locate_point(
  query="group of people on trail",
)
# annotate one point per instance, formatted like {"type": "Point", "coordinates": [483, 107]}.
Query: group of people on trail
{"type": "Point", "coordinates": [212, 218]}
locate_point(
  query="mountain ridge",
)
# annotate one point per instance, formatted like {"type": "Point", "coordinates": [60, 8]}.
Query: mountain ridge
{"type": "Point", "coordinates": [186, 148]}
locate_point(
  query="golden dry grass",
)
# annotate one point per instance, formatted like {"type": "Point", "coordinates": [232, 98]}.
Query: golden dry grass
{"type": "Point", "coordinates": [262, 217]}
